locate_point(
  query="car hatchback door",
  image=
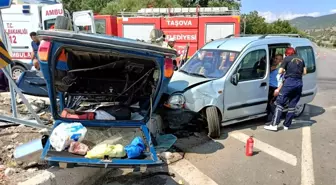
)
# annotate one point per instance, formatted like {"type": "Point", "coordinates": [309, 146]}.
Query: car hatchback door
{"type": "Point", "coordinates": [246, 88]}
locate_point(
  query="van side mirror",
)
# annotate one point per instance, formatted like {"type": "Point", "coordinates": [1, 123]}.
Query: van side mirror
{"type": "Point", "coordinates": [235, 79]}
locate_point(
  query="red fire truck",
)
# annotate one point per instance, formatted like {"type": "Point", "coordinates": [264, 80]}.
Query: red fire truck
{"type": "Point", "coordinates": [195, 26]}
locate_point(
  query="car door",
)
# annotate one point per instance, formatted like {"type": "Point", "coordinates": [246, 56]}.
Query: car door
{"type": "Point", "coordinates": [250, 95]}
{"type": "Point", "coordinates": [84, 21]}
{"type": "Point", "coordinates": [310, 79]}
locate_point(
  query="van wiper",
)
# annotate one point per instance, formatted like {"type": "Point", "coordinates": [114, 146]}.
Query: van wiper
{"type": "Point", "coordinates": [197, 74]}
{"type": "Point", "coordinates": [183, 71]}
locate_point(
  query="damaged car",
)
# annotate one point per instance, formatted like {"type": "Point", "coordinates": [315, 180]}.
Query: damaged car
{"type": "Point", "coordinates": [227, 81]}
{"type": "Point", "coordinates": [103, 91]}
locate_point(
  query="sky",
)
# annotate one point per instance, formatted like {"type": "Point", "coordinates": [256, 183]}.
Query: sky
{"type": "Point", "coordinates": [289, 9]}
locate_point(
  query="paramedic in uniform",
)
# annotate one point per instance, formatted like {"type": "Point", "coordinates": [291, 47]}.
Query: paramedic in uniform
{"type": "Point", "coordinates": [35, 45]}
{"type": "Point", "coordinates": [291, 88]}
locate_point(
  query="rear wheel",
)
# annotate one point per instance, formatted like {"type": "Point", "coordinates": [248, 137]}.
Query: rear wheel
{"type": "Point", "coordinates": [213, 122]}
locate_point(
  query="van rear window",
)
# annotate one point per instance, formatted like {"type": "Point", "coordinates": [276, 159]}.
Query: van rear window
{"type": "Point", "coordinates": [307, 53]}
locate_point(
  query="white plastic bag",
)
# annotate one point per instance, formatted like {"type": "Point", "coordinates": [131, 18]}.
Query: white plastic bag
{"type": "Point", "coordinates": [136, 116]}
{"type": "Point", "coordinates": [103, 115]}
{"type": "Point", "coordinates": [64, 133]}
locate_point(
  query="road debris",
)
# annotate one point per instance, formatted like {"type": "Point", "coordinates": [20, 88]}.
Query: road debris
{"type": "Point", "coordinates": [13, 135]}
{"type": "Point", "coordinates": [9, 171]}
{"type": "Point", "coordinates": [170, 157]}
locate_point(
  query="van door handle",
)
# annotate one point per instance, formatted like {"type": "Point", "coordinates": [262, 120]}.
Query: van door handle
{"type": "Point", "coordinates": [263, 84]}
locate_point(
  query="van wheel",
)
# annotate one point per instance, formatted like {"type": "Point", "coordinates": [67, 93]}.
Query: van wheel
{"type": "Point", "coordinates": [17, 70]}
{"type": "Point", "coordinates": [63, 23]}
{"type": "Point", "coordinates": [299, 109]}
{"type": "Point", "coordinates": [213, 122]}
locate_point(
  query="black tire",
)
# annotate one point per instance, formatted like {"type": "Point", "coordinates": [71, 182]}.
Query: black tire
{"type": "Point", "coordinates": [155, 34]}
{"type": "Point", "coordinates": [16, 69]}
{"type": "Point", "coordinates": [213, 122]}
{"type": "Point", "coordinates": [62, 23]}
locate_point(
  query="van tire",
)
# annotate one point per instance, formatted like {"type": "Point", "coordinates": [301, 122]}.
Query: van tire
{"type": "Point", "coordinates": [213, 122]}
{"type": "Point", "coordinates": [17, 68]}
{"type": "Point", "coordinates": [62, 23]}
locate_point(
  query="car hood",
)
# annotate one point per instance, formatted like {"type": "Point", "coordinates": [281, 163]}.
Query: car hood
{"type": "Point", "coordinates": [181, 81]}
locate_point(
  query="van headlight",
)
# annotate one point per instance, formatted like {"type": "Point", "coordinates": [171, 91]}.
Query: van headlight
{"type": "Point", "coordinates": [176, 101]}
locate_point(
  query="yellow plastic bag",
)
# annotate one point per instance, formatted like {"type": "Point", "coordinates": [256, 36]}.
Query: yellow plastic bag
{"type": "Point", "coordinates": [99, 151]}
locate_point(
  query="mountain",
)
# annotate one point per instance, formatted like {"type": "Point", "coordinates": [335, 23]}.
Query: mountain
{"type": "Point", "coordinates": [308, 23]}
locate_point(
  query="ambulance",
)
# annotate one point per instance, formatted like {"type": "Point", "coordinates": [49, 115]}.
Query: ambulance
{"type": "Point", "coordinates": [22, 19]}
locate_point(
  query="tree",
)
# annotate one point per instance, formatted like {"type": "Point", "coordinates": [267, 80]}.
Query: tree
{"type": "Point", "coordinates": [115, 6]}
{"type": "Point", "coordinates": [256, 24]}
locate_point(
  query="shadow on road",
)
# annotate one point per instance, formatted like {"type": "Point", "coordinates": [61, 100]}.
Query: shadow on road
{"type": "Point", "coordinates": [304, 120]}
{"type": "Point", "coordinates": [311, 111]}
{"type": "Point", "coordinates": [152, 176]}
{"type": "Point", "coordinates": [192, 143]}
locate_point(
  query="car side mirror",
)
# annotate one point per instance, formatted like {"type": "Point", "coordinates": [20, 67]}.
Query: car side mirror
{"type": "Point", "coordinates": [235, 79]}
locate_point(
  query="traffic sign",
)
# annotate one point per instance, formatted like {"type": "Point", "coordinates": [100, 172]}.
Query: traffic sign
{"type": "Point", "coordinates": [5, 4]}
{"type": "Point", "coordinates": [5, 58]}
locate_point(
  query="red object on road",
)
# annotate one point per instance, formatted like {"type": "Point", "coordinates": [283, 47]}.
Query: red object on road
{"type": "Point", "coordinates": [249, 146]}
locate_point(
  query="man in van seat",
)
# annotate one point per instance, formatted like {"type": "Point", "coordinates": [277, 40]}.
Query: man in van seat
{"type": "Point", "coordinates": [275, 85]}
{"type": "Point", "coordinates": [35, 45]}
{"type": "Point", "coordinates": [291, 89]}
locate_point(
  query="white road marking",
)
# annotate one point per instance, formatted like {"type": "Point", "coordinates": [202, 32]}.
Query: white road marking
{"type": "Point", "coordinates": [307, 170]}
{"type": "Point", "coordinates": [190, 173]}
{"type": "Point", "coordinates": [275, 152]}
{"type": "Point", "coordinates": [331, 108]}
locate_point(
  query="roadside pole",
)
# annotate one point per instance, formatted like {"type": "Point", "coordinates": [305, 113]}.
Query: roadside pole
{"type": "Point", "coordinates": [8, 69]}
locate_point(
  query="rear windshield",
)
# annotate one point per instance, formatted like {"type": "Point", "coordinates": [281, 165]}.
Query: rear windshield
{"type": "Point", "coordinates": [210, 63]}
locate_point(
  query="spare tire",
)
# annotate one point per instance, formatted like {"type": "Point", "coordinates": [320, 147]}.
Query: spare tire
{"type": "Point", "coordinates": [155, 34]}
{"type": "Point", "coordinates": [63, 23]}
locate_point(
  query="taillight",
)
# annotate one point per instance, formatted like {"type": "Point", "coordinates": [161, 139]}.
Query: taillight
{"type": "Point", "coordinates": [168, 67]}
{"type": "Point", "coordinates": [43, 51]}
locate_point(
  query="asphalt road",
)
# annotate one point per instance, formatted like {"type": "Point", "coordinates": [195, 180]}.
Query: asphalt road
{"type": "Point", "coordinates": [303, 155]}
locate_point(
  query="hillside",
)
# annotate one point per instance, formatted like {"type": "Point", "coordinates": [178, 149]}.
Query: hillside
{"type": "Point", "coordinates": [308, 23]}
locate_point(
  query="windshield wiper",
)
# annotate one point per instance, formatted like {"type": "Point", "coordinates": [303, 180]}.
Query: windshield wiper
{"type": "Point", "coordinates": [183, 71]}
{"type": "Point", "coordinates": [197, 74]}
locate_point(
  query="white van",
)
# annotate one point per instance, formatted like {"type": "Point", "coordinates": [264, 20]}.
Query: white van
{"type": "Point", "coordinates": [236, 90]}
{"type": "Point", "coordinates": [22, 19]}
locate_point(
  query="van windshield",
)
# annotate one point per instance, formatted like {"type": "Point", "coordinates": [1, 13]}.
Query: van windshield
{"type": "Point", "coordinates": [210, 63]}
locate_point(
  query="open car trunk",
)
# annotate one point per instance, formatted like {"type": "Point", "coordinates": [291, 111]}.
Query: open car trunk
{"type": "Point", "coordinates": [110, 86]}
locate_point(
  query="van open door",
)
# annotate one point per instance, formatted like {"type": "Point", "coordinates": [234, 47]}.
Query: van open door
{"type": "Point", "coordinates": [83, 21]}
